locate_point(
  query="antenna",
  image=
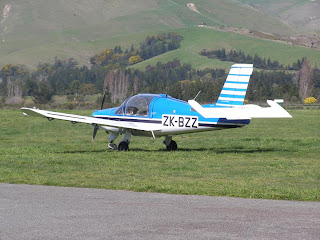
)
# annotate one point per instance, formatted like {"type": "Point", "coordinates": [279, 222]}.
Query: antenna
{"type": "Point", "coordinates": [197, 95]}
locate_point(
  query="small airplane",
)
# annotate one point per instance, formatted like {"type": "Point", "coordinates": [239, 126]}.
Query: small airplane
{"type": "Point", "coordinates": [159, 115]}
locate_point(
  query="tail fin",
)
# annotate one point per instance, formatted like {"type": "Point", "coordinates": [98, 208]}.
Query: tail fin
{"type": "Point", "coordinates": [235, 88]}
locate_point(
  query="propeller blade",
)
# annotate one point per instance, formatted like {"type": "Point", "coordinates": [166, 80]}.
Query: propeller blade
{"type": "Point", "coordinates": [103, 98]}
{"type": "Point", "coordinates": [95, 129]}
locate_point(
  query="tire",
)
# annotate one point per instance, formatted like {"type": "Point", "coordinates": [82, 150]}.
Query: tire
{"type": "Point", "coordinates": [123, 146]}
{"type": "Point", "coordinates": [112, 146]}
{"type": "Point", "coordinates": [172, 146]}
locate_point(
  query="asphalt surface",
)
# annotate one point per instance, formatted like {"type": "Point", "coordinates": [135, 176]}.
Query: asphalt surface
{"type": "Point", "coordinates": [42, 212]}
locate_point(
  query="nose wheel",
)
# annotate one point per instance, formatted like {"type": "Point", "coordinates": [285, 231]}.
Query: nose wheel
{"type": "Point", "coordinates": [112, 146]}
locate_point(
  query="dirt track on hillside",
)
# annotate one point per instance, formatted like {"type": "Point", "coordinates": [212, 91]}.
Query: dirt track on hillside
{"type": "Point", "coordinates": [306, 40]}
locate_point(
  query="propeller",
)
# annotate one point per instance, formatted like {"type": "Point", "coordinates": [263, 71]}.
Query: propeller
{"type": "Point", "coordinates": [95, 129]}
{"type": "Point", "coordinates": [103, 98]}
{"type": "Point", "coordinates": [95, 126]}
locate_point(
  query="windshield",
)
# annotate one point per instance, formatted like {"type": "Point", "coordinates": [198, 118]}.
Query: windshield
{"type": "Point", "coordinates": [139, 105]}
{"type": "Point", "coordinates": [136, 106]}
{"type": "Point", "coordinates": [121, 109]}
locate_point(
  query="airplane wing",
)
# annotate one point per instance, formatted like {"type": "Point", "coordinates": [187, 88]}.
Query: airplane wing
{"type": "Point", "coordinates": [89, 120]}
{"type": "Point", "coordinates": [242, 112]}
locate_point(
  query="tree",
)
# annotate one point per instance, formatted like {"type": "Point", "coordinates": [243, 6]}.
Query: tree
{"type": "Point", "coordinates": [14, 78]}
{"type": "Point", "coordinates": [39, 86]}
{"type": "Point", "coordinates": [87, 89]}
{"type": "Point", "coordinates": [41, 91]}
{"type": "Point", "coordinates": [117, 83]}
{"type": "Point", "coordinates": [305, 83]}
{"type": "Point", "coordinates": [75, 87]}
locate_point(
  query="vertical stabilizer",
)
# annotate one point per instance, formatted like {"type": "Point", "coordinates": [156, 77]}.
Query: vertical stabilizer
{"type": "Point", "coordinates": [235, 88]}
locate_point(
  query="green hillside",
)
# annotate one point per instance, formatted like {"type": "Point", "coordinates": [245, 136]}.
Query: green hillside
{"type": "Point", "coordinates": [196, 39]}
{"type": "Point", "coordinates": [303, 14]}
{"type": "Point", "coordinates": [39, 30]}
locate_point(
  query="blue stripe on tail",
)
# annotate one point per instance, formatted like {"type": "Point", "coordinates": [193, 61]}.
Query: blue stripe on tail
{"type": "Point", "coordinates": [235, 86]}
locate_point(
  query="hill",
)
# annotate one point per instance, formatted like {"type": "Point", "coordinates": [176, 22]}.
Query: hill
{"type": "Point", "coordinates": [38, 30]}
{"type": "Point", "coordinates": [197, 39]}
{"type": "Point", "coordinates": [302, 14]}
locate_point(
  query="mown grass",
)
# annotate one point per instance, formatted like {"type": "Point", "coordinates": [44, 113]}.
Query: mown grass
{"type": "Point", "coordinates": [274, 159]}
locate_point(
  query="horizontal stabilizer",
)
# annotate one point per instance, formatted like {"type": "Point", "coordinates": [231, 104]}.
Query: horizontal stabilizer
{"type": "Point", "coordinates": [242, 112]}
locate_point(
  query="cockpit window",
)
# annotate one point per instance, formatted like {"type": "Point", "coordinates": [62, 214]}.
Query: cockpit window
{"type": "Point", "coordinates": [121, 109]}
{"type": "Point", "coordinates": [139, 105]}
{"type": "Point", "coordinates": [136, 106]}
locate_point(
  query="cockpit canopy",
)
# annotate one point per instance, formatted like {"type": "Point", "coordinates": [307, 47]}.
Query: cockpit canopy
{"type": "Point", "coordinates": [137, 105]}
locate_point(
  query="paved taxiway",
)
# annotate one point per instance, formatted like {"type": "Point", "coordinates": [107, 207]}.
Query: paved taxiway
{"type": "Point", "coordinates": [42, 212]}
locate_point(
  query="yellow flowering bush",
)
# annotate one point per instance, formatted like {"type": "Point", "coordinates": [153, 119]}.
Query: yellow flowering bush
{"type": "Point", "coordinates": [135, 59]}
{"type": "Point", "coordinates": [310, 100]}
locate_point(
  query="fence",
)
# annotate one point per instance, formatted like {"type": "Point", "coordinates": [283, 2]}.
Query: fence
{"type": "Point", "coordinates": [301, 106]}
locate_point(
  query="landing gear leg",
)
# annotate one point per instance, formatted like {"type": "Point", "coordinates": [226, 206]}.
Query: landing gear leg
{"type": "Point", "coordinates": [170, 144]}
{"type": "Point", "coordinates": [112, 136]}
{"type": "Point", "coordinates": [124, 144]}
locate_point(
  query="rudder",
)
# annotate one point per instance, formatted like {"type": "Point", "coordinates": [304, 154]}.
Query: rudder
{"type": "Point", "coordinates": [235, 88]}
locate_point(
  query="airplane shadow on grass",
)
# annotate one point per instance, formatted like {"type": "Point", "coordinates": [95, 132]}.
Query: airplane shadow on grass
{"type": "Point", "coordinates": [232, 150]}
{"type": "Point", "coordinates": [239, 150]}
{"type": "Point", "coordinates": [217, 150]}
{"type": "Point", "coordinates": [83, 151]}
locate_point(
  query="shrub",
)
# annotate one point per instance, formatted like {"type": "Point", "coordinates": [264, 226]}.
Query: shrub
{"type": "Point", "coordinates": [135, 59]}
{"type": "Point", "coordinates": [310, 100]}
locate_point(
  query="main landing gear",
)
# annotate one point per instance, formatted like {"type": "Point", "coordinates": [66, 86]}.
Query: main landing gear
{"type": "Point", "coordinates": [123, 145]}
{"type": "Point", "coordinates": [170, 144]}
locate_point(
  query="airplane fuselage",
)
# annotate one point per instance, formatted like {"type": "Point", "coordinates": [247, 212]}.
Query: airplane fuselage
{"type": "Point", "coordinates": [169, 115]}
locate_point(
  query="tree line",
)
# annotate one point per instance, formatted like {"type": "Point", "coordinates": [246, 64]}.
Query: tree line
{"type": "Point", "coordinates": [257, 61]}
{"type": "Point", "coordinates": [152, 46]}
{"type": "Point", "coordinates": [112, 70]}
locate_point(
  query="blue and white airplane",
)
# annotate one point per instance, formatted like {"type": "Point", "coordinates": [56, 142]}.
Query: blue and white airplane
{"type": "Point", "coordinates": [159, 115]}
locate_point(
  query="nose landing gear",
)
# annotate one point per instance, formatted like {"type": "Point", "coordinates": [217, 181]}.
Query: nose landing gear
{"type": "Point", "coordinates": [112, 146]}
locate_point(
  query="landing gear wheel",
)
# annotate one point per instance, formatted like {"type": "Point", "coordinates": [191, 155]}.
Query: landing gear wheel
{"type": "Point", "coordinates": [123, 146]}
{"type": "Point", "coordinates": [172, 146]}
{"type": "Point", "coordinates": [112, 146]}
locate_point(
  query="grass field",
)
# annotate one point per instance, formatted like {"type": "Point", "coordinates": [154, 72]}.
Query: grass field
{"type": "Point", "coordinates": [274, 159]}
